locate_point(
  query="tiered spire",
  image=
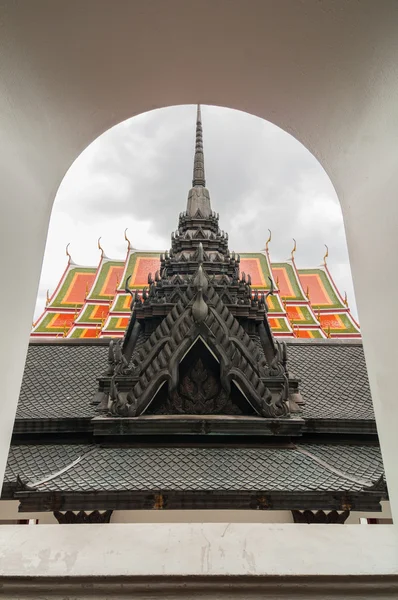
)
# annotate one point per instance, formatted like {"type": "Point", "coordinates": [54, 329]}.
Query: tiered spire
{"type": "Point", "coordinates": [199, 161]}
{"type": "Point", "coordinates": [198, 197]}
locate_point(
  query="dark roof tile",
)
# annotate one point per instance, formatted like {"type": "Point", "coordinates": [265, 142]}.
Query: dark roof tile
{"type": "Point", "coordinates": [334, 380]}
{"type": "Point", "coordinates": [60, 380]}
{"type": "Point", "coordinates": [196, 468]}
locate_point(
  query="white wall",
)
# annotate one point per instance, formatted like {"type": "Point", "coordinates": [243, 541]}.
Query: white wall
{"type": "Point", "coordinates": [197, 549]}
{"type": "Point", "coordinates": [324, 71]}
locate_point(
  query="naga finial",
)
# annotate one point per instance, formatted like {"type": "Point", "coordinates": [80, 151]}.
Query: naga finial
{"type": "Point", "coordinates": [128, 291]}
{"type": "Point", "coordinates": [47, 297]}
{"type": "Point", "coordinates": [268, 241]}
{"type": "Point", "coordinates": [345, 299]}
{"type": "Point", "coordinates": [100, 247]}
{"type": "Point", "coordinates": [326, 255]}
{"type": "Point", "coordinates": [294, 249]}
{"type": "Point", "coordinates": [127, 239]}
{"type": "Point", "coordinates": [67, 252]}
{"type": "Point", "coordinates": [271, 289]}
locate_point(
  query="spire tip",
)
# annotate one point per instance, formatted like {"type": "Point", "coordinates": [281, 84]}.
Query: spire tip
{"type": "Point", "coordinates": [199, 164]}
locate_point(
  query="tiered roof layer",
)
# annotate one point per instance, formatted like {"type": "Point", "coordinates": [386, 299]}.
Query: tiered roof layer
{"type": "Point", "coordinates": [92, 302]}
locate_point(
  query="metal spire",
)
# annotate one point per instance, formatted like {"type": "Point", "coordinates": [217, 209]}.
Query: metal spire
{"type": "Point", "coordinates": [199, 162]}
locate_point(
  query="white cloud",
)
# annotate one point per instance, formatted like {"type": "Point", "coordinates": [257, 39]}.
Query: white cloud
{"type": "Point", "coordinates": [137, 175]}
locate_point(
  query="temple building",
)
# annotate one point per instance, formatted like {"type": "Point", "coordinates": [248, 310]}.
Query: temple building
{"type": "Point", "coordinates": [91, 302]}
{"type": "Point", "coordinates": [197, 378]}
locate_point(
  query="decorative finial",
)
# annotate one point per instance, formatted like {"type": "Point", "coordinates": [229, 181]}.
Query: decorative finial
{"type": "Point", "coordinates": [86, 294]}
{"type": "Point", "coordinates": [326, 255]}
{"type": "Point", "coordinates": [47, 297]}
{"type": "Point", "coordinates": [127, 239]}
{"type": "Point", "coordinates": [200, 254]}
{"type": "Point", "coordinates": [100, 247]}
{"type": "Point", "coordinates": [345, 299]}
{"type": "Point", "coordinates": [328, 332]}
{"type": "Point", "coordinates": [67, 252]}
{"type": "Point", "coordinates": [307, 293]}
{"type": "Point", "coordinates": [199, 162]}
{"type": "Point", "coordinates": [294, 249]}
{"type": "Point", "coordinates": [268, 241]}
{"type": "Point", "coordinates": [199, 307]}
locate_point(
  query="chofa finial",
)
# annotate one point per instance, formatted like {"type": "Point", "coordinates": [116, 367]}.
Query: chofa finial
{"type": "Point", "coordinates": [100, 247]}
{"type": "Point", "coordinates": [127, 239]}
{"type": "Point", "coordinates": [326, 255]}
{"type": "Point", "coordinates": [268, 241]}
{"type": "Point", "coordinates": [67, 252]}
{"type": "Point", "coordinates": [294, 249]}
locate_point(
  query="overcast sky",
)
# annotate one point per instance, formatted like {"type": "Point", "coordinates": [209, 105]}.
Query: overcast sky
{"type": "Point", "coordinates": [138, 174]}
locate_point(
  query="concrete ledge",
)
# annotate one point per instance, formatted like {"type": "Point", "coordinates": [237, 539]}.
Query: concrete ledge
{"type": "Point", "coordinates": [197, 549]}
{"type": "Point", "coordinates": [214, 588]}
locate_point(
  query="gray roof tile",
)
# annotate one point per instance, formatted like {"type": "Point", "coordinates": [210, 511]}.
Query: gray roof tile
{"type": "Point", "coordinates": [196, 468]}
{"type": "Point", "coordinates": [334, 380]}
{"type": "Point", "coordinates": [60, 380]}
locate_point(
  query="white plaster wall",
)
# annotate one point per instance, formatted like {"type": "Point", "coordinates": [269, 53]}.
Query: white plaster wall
{"type": "Point", "coordinates": [324, 71]}
{"type": "Point", "coordinates": [9, 512]}
{"type": "Point", "coordinates": [201, 549]}
{"type": "Point", "coordinates": [202, 516]}
{"type": "Point", "coordinates": [385, 513]}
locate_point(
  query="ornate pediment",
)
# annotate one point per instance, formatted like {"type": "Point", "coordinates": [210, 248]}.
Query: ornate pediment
{"type": "Point", "coordinates": [199, 390]}
{"type": "Point", "coordinates": [201, 313]}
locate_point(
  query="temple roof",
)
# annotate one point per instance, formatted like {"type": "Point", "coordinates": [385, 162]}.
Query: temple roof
{"type": "Point", "coordinates": [306, 302]}
{"type": "Point", "coordinates": [193, 403]}
{"type": "Point", "coordinates": [59, 377]}
{"type": "Point", "coordinates": [321, 472]}
{"type": "Point", "coordinates": [285, 477]}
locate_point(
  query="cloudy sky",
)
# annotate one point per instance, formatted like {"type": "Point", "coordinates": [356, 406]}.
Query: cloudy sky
{"type": "Point", "coordinates": [138, 174]}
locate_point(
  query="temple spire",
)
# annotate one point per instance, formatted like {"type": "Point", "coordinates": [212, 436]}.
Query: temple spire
{"type": "Point", "coordinates": [198, 197]}
{"type": "Point", "coordinates": [199, 162]}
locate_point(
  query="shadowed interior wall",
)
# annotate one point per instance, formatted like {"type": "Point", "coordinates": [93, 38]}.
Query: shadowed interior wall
{"type": "Point", "coordinates": [324, 71]}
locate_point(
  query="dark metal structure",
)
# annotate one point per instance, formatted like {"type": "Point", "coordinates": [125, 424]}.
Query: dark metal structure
{"type": "Point", "coordinates": [198, 406]}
